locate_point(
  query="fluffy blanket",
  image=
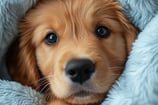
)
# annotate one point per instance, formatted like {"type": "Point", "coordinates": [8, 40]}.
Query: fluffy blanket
{"type": "Point", "coordinates": [138, 85]}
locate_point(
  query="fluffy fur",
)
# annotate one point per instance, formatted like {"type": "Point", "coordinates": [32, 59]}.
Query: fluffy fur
{"type": "Point", "coordinates": [76, 29]}
{"type": "Point", "coordinates": [12, 93]}
{"type": "Point", "coordinates": [140, 12]}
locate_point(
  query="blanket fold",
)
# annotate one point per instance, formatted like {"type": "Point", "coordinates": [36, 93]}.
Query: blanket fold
{"type": "Point", "coordinates": [13, 93]}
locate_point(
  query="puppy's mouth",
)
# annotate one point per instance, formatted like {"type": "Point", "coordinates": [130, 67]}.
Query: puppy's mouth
{"type": "Point", "coordinates": [82, 94]}
{"type": "Point", "coordinates": [85, 97]}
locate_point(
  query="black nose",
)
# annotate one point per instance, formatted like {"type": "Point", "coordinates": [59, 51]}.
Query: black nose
{"type": "Point", "coordinates": [80, 70]}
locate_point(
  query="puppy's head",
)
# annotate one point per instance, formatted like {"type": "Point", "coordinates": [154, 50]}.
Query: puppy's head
{"type": "Point", "coordinates": [79, 46]}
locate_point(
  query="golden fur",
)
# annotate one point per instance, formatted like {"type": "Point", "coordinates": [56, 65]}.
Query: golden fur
{"type": "Point", "coordinates": [74, 21]}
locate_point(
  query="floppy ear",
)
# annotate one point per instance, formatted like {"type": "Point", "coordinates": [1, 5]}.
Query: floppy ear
{"type": "Point", "coordinates": [130, 32]}
{"type": "Point", "coordinates": [130, 36]}
{"type": "Point", "coordinates": [21, 59]}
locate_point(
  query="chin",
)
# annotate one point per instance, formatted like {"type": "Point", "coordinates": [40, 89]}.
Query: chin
{"type": "Point", "coordinates": [84, 98]}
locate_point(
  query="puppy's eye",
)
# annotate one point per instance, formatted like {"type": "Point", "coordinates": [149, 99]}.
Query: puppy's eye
{"type": "Point", "coordinates": [51, 39]}
{"type": "Point", "coordinates": [102, 32]}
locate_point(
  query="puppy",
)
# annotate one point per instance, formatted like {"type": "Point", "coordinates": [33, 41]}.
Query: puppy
{"type": "Point", "coordinates": [72, 49]}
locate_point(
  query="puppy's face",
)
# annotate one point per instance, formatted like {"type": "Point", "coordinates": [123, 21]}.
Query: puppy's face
{"type": "Point", "coordinates": [80, 46]}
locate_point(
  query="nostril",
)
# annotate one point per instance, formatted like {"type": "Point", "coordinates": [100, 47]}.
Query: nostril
{"type": "Point", "coordinates": [87, 71]}
{"type": "Point", "coordinates": [72, 73]}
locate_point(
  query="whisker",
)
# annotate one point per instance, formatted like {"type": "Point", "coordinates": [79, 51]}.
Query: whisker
{"type": "Point", "coordinates": [49, 95]}
{"type": "Point", "coordinates": [44, 88]}
{"type": "Point", "coordinates": [43, 83]}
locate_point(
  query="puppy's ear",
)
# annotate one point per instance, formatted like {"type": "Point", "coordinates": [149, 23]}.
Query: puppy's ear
{"type": "Point", "coordinates": [130, 32]}
{"type": "Point", "coordinates": [27, 63]}
{"type": "Point", "coordinates": [21, 60]}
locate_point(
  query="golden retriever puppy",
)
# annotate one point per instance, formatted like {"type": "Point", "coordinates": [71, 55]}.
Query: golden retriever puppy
{"type": "Point", "coordinates": [73, 49]}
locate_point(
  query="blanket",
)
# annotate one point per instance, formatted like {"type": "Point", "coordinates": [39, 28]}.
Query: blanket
{"type": "Point", "coordinates": [138, 85]}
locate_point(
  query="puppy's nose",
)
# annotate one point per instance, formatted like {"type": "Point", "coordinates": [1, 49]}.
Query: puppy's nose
{"type": "Point", "coordinates": [80, 70]}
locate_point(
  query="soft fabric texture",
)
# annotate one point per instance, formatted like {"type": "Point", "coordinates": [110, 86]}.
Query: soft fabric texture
{"type": "Point", "coordinates": [12, 93]}
{"type": "Point", "coordinates": [138, 85]}
{"type": "Point", "coordinates": [140, 12]}
{"type": "Point", "coordinates": [11, 12]}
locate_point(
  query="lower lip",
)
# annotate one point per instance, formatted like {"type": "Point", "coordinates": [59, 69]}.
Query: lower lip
{"type": "Point", "coordinates": [82, 94]}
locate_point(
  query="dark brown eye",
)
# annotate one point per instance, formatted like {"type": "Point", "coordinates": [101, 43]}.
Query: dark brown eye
{"type": "Point", "coordinates": [51, 39]}
{"type": "Point", "coordinates": [102, 32]}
